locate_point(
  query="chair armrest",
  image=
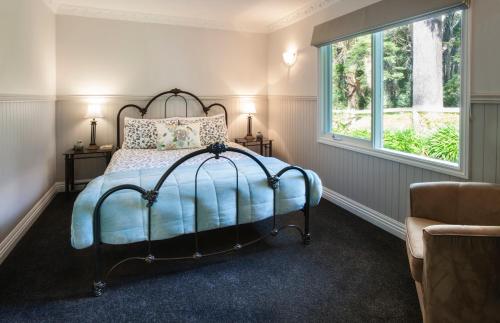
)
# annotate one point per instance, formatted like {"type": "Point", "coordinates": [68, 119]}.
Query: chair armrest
{"type": "Point", "coordinates": [463, 230]}
{"type": "Point", "coordinates": [461, 274]}
{"type": "Point", "coordinates": [435, 201]}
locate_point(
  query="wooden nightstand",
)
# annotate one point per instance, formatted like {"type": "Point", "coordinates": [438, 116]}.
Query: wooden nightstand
{"type": "Point", "coordinates": [265, 145]}
{"type": "Point", "coordinates": [69, 158]}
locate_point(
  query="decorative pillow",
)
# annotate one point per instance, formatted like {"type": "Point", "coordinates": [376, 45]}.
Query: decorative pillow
{"type": "Point", "coordinates": [142, 133]}
{"type": "Point", "coordinates": [212, 129]}
{"type": "Point", "coordinates": [178, 136]}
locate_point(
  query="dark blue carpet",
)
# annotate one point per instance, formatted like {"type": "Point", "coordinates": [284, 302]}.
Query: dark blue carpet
{"type": "Point", "coordinates": [351, 272]}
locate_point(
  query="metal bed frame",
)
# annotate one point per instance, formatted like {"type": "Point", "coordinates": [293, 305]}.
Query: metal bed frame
{"type": "Point", "coordinates": [150, 196]}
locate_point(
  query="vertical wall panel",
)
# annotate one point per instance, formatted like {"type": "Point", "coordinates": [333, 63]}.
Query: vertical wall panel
{"type": "Point", "coordinates": [477, 143]}
{"type": "Point", "coordinates": [490, 140]}
{"type": "Point", "coordinates": [377, 183]}
{"type": "Point", "coordinates": [27, 166]}
{"type": "Point", "coordinates": [497, 179]}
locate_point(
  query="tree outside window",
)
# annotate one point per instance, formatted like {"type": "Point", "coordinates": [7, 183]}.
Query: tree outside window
{"type": "Point", "coordinates": [421, 86]}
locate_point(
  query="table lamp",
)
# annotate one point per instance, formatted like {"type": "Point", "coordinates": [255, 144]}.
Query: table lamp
{"type": "Point", "coordinates": [249, 108]}
{"type": "Point", "coordinates": [93, 112]}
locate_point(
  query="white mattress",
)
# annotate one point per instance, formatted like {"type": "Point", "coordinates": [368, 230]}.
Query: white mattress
{"type": "Point", "coordinates": [133, 159]}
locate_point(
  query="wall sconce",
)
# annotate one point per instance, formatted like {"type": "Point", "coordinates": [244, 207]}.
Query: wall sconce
{"type": "Point", "coordinates": [290, 57]}
{"type": "Point", "coordinates": [93, 112]}
{"type": "Point", "coordinates": [249, 107]}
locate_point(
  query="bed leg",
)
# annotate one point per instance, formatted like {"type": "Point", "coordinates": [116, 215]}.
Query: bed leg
{"type": "Point", "coordinates": [98, 288]}
{"type": "Point", "coordinates": [99, 284]}
{"type": "Point", "coordinates": [306, 238]}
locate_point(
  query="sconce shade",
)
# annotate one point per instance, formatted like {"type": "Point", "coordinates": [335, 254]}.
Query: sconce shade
{"type": "Point", "coordinates": [93, 111]}
{"type": "Point", "coordinates": [289, 57]}
{"type": "Point", "coordinates": [248, 107]}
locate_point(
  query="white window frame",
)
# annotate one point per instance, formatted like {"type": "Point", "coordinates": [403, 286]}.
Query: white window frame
{"type": "Point", "coordinates": [374, 147]}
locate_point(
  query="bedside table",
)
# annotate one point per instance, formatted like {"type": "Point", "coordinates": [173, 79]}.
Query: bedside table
{"type": "Point", "coordinates": [69, 159]}
{"type": "Point", "coordinates": [265, 145]}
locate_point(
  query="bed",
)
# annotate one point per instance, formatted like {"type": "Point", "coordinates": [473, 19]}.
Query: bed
{"type": "Point", "coordinates": [150, 194]}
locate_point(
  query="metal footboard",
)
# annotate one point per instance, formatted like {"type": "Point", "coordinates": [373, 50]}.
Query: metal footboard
{"type": "Point", "coordinates": [151, 196]}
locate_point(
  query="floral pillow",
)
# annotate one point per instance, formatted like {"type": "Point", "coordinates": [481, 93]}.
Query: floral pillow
{"type": "Point", "coordinates": [142, 133]}
{"type": "Point", "coordinates": [178, 136]}
{"type": "Point", "coordinates": [212, 129]}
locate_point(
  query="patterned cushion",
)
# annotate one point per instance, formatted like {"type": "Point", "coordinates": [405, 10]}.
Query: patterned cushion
{"type": "Point", "coordinates": [142, 133]}
{"type": "Point", "coordinates": [178, 136]}
{"type": "Point", "coordinates": [212, 129]}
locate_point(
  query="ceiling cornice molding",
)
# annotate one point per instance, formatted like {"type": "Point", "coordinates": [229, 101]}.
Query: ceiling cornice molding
{"type": "Point", "coordinates": [61, 8]}
{"type": "Point", "coordinates": [301, 13]}
{"type": "Point", "coordinates": [91, 12]}
{"type": "Point", "coordinates": [51, 5]}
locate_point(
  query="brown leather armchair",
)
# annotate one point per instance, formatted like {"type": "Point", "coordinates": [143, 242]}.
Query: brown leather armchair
{"type": "Point", "coordinates": [453, 245]}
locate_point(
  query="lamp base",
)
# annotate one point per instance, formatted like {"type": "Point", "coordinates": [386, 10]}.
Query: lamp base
{"type": "Point", "coordinates": [249, 136]}
{"type": "Point", "coordinates": [92, 145]}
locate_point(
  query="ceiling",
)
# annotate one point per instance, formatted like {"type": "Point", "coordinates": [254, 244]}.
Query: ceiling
{"type": "Point", "coordinates": [242, 15]}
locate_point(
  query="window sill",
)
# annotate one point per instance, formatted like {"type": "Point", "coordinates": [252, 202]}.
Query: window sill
{"type": "Point", "coordinates": [412, 160]}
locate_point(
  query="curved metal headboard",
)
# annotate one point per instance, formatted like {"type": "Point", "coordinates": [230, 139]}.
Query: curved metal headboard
{"type": "Point", "coordinates": [172, 93]}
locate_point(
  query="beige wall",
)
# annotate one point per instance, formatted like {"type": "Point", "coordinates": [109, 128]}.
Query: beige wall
{"type": "Point", "coordinates": [106, 57]}
{"type": "Point", "coordinates": [27, 59]}
{"type": "Point", "coordinates": [485, 47]}
{"type": "Point", "coordinates": [27, 109]}
{"type": "Point", "coordinates": [372, 182]}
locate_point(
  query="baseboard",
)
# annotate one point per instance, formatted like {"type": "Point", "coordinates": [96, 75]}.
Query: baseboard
{"type": "Point", "coordinates": [26, 222]}
{"type": "Point", "coordinates": [380, 220]}
{"type": "Point", "coordinates": [59, 186]}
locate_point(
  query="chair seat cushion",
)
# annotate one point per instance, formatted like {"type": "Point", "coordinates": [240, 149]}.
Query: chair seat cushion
{"type": "Point", "coordinates": [415, 244]}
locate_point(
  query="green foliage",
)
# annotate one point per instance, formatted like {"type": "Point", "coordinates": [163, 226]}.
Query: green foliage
{"type": "Point", "coordinates": [352, 67]}
{"type": "Point", "coordinates": [357, 133]}
{"type": "Point", "coordinates": [339, 86]}
{"type": "Point", "coordinates": [452, 92]}
{"type": "Point", "coordinates": [361, 134]}
{"type": "Point", "coordinates": [452, 43]}
{"type": "Point", "coordinates": [351, 82]}
{"type": "Point", "coordinates": [343, 128]}
{"type": "Point", "coordinates": [398, 67]}
{"type": "Point", "coordinates": [443, 144]}
{"type": "Point", "coordinates": [404, 140]}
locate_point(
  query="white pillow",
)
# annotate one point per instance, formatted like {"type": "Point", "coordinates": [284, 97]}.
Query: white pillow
{"type": "Point", "coordinates": [142, 133]}
{"type": "Point", "coordinates": [212, 129]}
{"type": "Point", "coordinates": [178, 136]}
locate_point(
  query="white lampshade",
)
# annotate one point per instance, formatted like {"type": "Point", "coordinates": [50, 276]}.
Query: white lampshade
{"type": "Point", "coordinates": [93, 111]}
{"type": "Point", "coordinates": [289, 57]}
{"type": "Point", "coordinates": [248, 107]}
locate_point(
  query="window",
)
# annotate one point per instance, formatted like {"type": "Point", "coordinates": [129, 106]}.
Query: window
{"type": "Point", "coordinates": [400, 92]}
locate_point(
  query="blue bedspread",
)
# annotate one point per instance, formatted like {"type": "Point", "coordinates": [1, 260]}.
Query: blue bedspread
{"type": "Point", "coordinates": [124, 214]}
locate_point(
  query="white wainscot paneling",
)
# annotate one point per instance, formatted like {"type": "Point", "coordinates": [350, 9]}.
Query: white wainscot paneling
{"type": "Point", "coordinates": [27, 165]}
{"type": "Point", "coordinates": [378, 184]}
